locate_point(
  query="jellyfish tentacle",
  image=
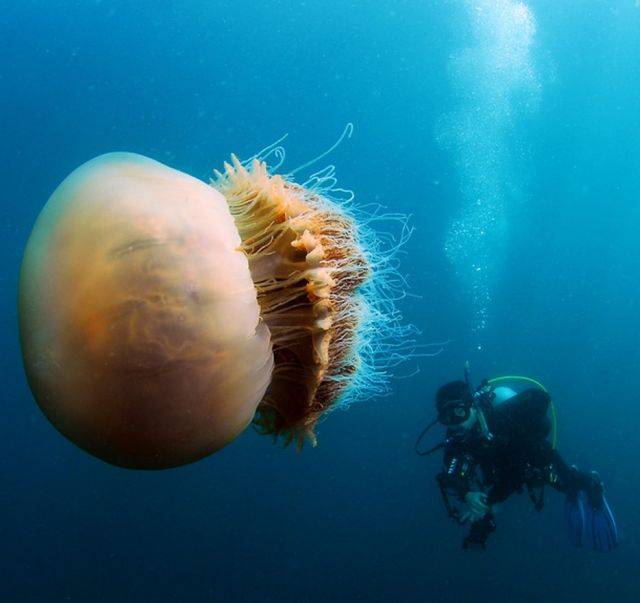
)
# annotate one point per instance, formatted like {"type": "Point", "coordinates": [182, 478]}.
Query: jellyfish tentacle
{"type": "Point", "coordinates": [346, 133]}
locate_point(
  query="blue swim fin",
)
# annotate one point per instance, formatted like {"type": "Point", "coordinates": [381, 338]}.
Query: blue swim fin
{"type": "Point", "coordinates": [600, 524]}
{"type": "Point", "coordinates": [574, 517]}
{"type": "Point", "coordinates": [589, 518]}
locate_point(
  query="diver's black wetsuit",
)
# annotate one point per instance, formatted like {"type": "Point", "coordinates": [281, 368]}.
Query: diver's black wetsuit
{"type": "Point", "coordinates": [518, 455]}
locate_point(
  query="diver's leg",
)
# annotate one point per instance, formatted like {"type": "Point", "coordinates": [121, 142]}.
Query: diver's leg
{"type": "Point", "coordinates": [566, 478]}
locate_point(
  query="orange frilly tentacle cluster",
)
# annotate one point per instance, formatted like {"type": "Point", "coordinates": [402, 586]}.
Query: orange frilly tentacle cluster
{"type": "Point", "coordinates": [306, 264]}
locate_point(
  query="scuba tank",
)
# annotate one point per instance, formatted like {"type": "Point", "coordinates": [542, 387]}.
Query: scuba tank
{"type": "Point", "coordinates": [483, 397]}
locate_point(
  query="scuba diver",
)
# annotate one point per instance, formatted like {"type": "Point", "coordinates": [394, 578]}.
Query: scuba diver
{"type": "Point", "coordinates": [497, 444]}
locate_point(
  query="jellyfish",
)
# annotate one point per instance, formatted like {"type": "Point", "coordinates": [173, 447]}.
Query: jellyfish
{"type": "Point", "coordinates": [161, 315]}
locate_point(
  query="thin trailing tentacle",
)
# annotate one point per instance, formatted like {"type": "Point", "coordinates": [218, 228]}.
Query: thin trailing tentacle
{"type": "Point", "coordinates": [346, 133]}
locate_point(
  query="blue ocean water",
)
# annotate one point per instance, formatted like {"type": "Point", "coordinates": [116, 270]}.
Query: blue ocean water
{"type": "Point", "coordinates": [508, 132]}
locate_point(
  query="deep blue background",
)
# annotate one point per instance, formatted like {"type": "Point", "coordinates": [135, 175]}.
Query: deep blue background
{"type": "Point", "coordinates": [358, 518]}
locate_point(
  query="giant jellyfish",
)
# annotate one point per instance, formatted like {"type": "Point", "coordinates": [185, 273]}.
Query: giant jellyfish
{"type": "Point", "coordinates": [160, 315]}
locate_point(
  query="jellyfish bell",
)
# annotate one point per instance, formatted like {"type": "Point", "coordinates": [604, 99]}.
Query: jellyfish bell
{"type": "Point", "coordinates": [140, 329]}
{"type": "Point", "coordinates": [160, 316]}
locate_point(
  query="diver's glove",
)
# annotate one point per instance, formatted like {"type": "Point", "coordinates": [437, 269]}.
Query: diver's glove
{"type": "Point", "coordinates": [475, 507]}
{"type": "Point", "coordinates": [479, 532]}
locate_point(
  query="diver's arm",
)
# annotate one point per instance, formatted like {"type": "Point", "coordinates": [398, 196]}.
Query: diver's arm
{"type": "Point", "coordinates": [458, 479]}
{"type": "Point", "coordinates": [458, 473]}
{"type": "Point", "coordinates": [462, 495]}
